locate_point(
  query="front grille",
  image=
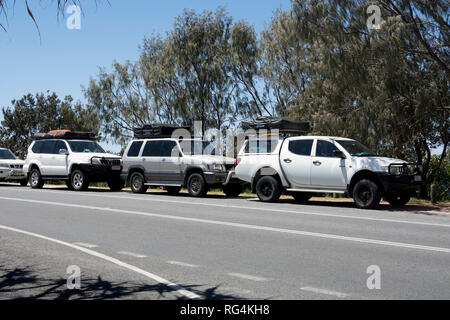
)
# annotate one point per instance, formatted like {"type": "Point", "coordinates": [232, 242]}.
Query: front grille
{"type": "Point", "coordinates": [16, 166]}
{"type": "Point", "coordinates": [111, 162]}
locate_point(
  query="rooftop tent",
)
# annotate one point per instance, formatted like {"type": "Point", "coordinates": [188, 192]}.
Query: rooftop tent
{"type": "Point", "coordinates": [285, 126]}
{"type": "Point", "coordinates": [65, 134]}
{"type": "Point", "coordinates": [154, 131]}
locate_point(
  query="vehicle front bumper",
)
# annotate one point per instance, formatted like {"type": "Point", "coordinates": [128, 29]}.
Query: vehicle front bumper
{"type": "Point", "coordinates": [400, 184]}
{"type": "Point", "coordinates": [100, 173]}
{"type": "Point", "coordinates": [221, 178]}
{"type": "Point", "coordinates": [12, 174]}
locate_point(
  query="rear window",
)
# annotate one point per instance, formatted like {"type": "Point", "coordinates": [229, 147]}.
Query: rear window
{"type": "Point", "coordinates": [260, 146]}
{"type": "Point", "coordinates": [135, 149]}
{"type": "Point", "coordinates": [37, 147]}
{"type": "Point", "coordinates": [301, 147]}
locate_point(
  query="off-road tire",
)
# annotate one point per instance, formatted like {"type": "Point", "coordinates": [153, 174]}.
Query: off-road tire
{"type": "Point", "coordinates": [397, 200]}
{"type": "Point", "coordinates": [196, 185]}
{"type": "Point", "coordinates": [268, 189]}
{"type": "Point", "coordinates": [232, 190]}
{"type": "Point", "coordinates": [79, 180]}
{"type": "Point", "coordinates": [173, 191]}
{"type": "Point", "coordinates": [301, 197]}
{"type": "Point", "coordinates": [36, 181]}
{"type": "Point", "coordinates": [366, 194]}
{"type": "Point", "coordinates": [137, 183]}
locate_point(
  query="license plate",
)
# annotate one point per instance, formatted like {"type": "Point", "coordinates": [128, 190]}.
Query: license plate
{"type": "Point", "coordinates": [115, 168]}
{"type": "Point", "coordinates": [17, 173]}
{"type": "Point", "coordinates": [418, 178]}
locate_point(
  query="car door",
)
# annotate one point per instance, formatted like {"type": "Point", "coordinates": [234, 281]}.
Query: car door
{"type": "Point", "coordinates": [151, 160]}
{"type": "Point", "coordinates": [59, 162]}
{"type": "Point", "coordinates": [45, 158]}
{"type": "Point", "coordinates": [296, 161]}
{"type": "Point", "coordinates": [170, 168]}
{"type": "Point", "coordinates": [328, 171]}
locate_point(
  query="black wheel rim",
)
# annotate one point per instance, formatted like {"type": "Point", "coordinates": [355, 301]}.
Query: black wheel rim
{"type": "Point", "coordinates": [266, 189]}
{"type": "Point", "coordinates": [196, 185]}
{"type": "Point", "coordinates": [364, 194]}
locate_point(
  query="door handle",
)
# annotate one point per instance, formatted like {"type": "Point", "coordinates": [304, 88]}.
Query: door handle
{"type": "Point", "coordinates": [287, 160]}
{"type": "Point", "coordinates": [164, 160]}
{"type": "Point", "coordinates": [143, 159]}
{"type": "Point", "coordinates": [317, 163]}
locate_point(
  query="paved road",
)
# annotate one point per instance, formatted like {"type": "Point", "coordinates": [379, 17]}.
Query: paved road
{"type": "Point", "coordinates": [156, 246]}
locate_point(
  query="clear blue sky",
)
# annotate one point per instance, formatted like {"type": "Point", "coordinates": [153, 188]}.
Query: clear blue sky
{"type": "Point", "coordinates": [66, 59]}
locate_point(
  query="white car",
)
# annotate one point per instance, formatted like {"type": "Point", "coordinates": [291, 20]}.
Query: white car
{"type": "Point", "coordinates": [11, 168]}
{"type": "Point", "coordinates": [75, 158]}
{"type": "Point", "coordinates": [304, 165]}
{"type": "Point", "coordinates": [174, 164]}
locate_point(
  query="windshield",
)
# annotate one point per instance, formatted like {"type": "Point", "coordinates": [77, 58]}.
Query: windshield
{"type": "Point", "coordinates": [356, 149]}
{"type": "Point", "coordinates": [197, 147]}
{"type": "Point", "coordinates": [5, 154]}
{"type": "Point", "coordinates": [85, 146]}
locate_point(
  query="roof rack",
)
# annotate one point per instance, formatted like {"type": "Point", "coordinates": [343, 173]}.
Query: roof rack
{"type": "Point", "coordinates": [155, 131]}
{"type": "Point", "coordinates": [283, 125]}
{"type": "Point", "coordinates": [65, 134]}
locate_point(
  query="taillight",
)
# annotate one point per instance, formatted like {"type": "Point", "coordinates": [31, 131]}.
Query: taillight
{"type": "Point", "coordinates": [236, 163]}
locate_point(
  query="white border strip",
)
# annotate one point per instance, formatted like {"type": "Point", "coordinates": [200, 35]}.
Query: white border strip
{"type": "Point", "coordinates": [122, 264]}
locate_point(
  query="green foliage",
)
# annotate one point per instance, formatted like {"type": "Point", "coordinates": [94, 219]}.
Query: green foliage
{"type": "Point", "coordinates": [205, 69]}
{"type": "Point", "coordinates": [441, 176]}
{"type": "Point", "coordinates": [42, 113]}
{"type": "Point", "coordinates": [387, 88]}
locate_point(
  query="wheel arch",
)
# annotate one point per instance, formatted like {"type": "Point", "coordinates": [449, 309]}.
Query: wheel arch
{"type": "Point", "coordinates": [189, 171]}
{"type": "Point", "coordinates": [364, 174]}
{"type": "Point", "coordinates": [265, 171]}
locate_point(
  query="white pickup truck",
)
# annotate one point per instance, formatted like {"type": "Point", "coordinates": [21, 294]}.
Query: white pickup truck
{"type": "Point", "coordinates": [301, 166]}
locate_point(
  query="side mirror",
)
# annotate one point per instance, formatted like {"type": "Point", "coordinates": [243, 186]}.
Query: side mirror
{"type": "Point", "coordinates": [339, 154]}
{"type": "Point", "coordinates": [63, 152]}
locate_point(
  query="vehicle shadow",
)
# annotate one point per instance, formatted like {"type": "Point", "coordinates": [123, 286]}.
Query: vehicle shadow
{"type": "Point", "coordinates": [410, 208]}
{"type": "Point", "coordinates": [23, 283]}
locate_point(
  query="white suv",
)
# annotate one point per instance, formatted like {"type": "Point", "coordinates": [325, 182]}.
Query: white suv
{"type": "Point", "coordinates": [304, 165]}
{"type": "Point", "coordinates": [73, 157]}
{"type": "Point", "coordinates": [174, 164]}
{"type": "Point", "coordinates": [11, 168]}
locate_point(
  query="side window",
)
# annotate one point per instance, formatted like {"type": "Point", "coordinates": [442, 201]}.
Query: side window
{"type": "Point", "coordinates": [325, 149]}
{"type": "Point", "coordinates": [152, 149]}
{"type": "Point", "coordinates": [135, 148]}
{"type": "Point", "coordinates": [301, 147]}
{"type": "Point", "coordinates": [58, 146]}
{"type": "Point", "coordinates": [261, 146]}
{"type": "Point", "coordinates": [37, 146]}
{"type": "Point", "coordinates": [47, 147]}
{"type": "Point", "coordinates": [167, 148]}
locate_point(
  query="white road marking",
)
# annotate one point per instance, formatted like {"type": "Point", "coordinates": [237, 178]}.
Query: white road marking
{"type": "Point", "coordinates": [147, 274]}
{"type": "Point", "coordinates": [326, 292]}
{"type": "Point", "coordinates": [183, 264]}
{"type": "Point", "coordinates": [132, 254]}
{"type": "Point", "coordinates": [241, 225]}
{"type": "Point", "coordinates": [247, 277]}
{"type": "Point", "coordinates": [192, 202]}
{"type": "Point", "coordinates": [86, 245]}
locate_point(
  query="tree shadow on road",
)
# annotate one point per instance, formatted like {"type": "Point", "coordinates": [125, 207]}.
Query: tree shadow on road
{"type": "Point", "coordinates": [23, 283]}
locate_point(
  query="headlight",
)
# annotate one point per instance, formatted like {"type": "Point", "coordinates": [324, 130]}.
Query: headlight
{"type": "Point", "coordinates": [216, 167]}
{"type": "Point", "coordinates": [4, 165]}
{"type": "Point", "coordinates": [96, 161]}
